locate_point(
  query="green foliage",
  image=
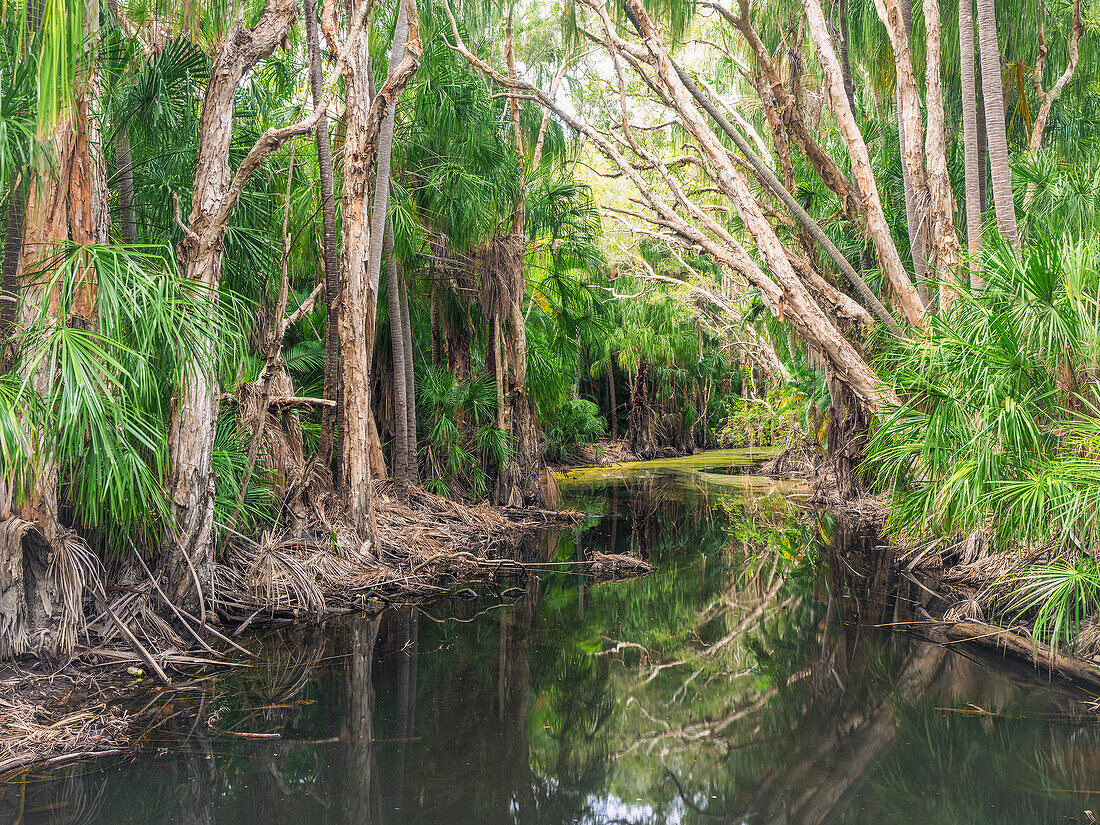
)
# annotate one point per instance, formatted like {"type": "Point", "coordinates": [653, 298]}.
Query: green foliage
{"type": "Point", "coordinates": [578, 421]}
{"type": "Point", "coordinates": [998, 428]}
{"type": "Point", "coordinates": [460, 439]}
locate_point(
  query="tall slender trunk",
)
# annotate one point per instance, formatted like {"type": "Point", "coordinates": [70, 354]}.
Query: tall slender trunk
{"type": "Point", "coordinates": [124, 175]}
{"type": "Point", "coordinates": [912, 214]}
{"type": "Point", "coordinates": [983, 142]}
{"type": "Point", "coordinates": [845, 60]}
{"type": "Point", "coordinates": [971, 158]}
{"type": "Point", "coordinates": [437, 333]}
{"type": "Point", "coordinates": [13, 247]}
{"type": "Point", "coordinates": [357, 299]}
{"type": "Point", "coordinates": [612, 402]}
{"type": "Point", "coordinates": [999, 172]}
{"type": "Point", "coordinates": [332, 418]}
{"type": "Point", "coordinates": [518, 481]}
{"type": "Point", "coordinates": [357, 317]}
{"type": "Point", "coordinates": [385, 154]}
{"type": "Point", "coordinates": [410, 382]}
{"type": "Point", "coordinates": [400, 452]}
{"type": "Point", "coordinates": [946, 252]}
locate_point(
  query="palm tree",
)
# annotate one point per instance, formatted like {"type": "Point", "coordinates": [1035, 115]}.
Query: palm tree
{"type": "Point", "coordinates": [999, 171]}
{"type": "Point", "coordinates": [971, 158]}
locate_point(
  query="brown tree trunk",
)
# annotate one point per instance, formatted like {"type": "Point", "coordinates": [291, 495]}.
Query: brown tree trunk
{"type": "Point", "coordinates": [364, 118]}
{"type": "Point", "coordinates": [400, 452]}
{"type": "Point", "coordinates": [999, 171]}
{"type": "Point", "coordinates": [410, 383]}
{"type": "Point", "coordinates": [912, 213]}
{"type": "Point", "coordinates": [946, 254]}
{"type": "Point", "coordinates": [13, 247]}
{"type": "Point", "coordinates": [191, 481]}
{"type": "Point", "coordinates": [518, 481]}
{"type": "Point", "coordinates": [332, 418]}
{"type": "Point", "coordinates": [124, 172]}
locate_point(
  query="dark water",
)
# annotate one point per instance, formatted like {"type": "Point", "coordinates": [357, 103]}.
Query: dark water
{"type": "Point", "coordinates": [748, 680]}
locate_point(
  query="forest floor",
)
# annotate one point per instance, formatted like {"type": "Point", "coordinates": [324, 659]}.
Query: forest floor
{"type": "Point", "coordinates": [425, 548]}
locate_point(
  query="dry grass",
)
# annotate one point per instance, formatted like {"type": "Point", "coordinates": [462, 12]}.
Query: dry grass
{"type": "Point", "coordinates": [420, 548]}
{"type": "Point", "coordinates": [48, 718]}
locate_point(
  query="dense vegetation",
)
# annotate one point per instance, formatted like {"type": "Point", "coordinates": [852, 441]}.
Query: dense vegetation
{"type": "Point", "coordinates": [259, 256]}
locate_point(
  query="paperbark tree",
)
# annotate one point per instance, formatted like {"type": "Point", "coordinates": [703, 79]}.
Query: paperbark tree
{"type": "Point", "coordinates": [1047, 97]}
{"type": "Point", "coordinates": [363, 118]}
{"type": "Point", "coordinates": [908, 299]}
{"type": "Point", "coordinates": [214, 196]}
{"type": "Point", "coordinates": [331, 417]}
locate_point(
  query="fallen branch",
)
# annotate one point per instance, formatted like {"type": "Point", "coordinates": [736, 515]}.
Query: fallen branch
{"type": "Point", "coordinates": [1006, 642]}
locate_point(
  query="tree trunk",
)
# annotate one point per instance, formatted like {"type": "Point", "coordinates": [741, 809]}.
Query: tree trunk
{"type": "Point", "coordinates": [518, 481]}
{"type": "Point", "coordinates": [191, 435]}
{"type": "Point", "coordinates": [332, 418]}
{"type": "Point", "coordinates": [971, 158]}
{"type": "Point", "coordinates": [946, 252]}
{"type": "Point", "coordinates": [999, 171]}
{"type": "Point", "coordinates": [400, 450]}
{"type": "Point", "coordinates": [611, 401]}
{"type": "Point", "coordinates": [357, 298]}
{"type": "Point", "coordinates": [437, 334]}
{"type": "Point", "coordinates": [385, 153]}
{"type": "Point", "coordinates": [910, 302]}
{"type": "Point", "coordinates": [13, 247]}
{"type": "Point", "coordinates": [641, 433]}
{"type": "Point", "coordinates": [912, 215]}
{"type": "Point", "coordinates": [410, 383]}
{"type": "Point", "coordinates": [1047, 97]}
{"type": "Point", "coordinates": [124, 172]}
{"type": "Point", "coordinates": [845, 60]}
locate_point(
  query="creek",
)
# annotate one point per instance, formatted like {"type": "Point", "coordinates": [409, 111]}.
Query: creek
{"type": "Point", "coordinates": [762, 674]}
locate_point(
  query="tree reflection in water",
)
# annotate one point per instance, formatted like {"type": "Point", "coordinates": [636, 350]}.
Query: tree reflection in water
{"type": "Point", "coordinates": [747, 680]}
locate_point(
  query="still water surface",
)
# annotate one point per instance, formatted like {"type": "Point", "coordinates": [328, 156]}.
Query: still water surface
{"type": "Point", "coordinates": [751, 679]}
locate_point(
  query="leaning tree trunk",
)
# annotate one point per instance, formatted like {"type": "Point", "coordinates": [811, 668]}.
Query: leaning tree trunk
{"type": "Point", "coordinates": [332, 418]}
{"type": "Point", "coordinates": [971, 158]}
{"type": "Point", "coordinates": [911, 304]}
{"type": "Point", "coordinates": [189, 562]}
{"type": "Point", "coordinates": [999, 172]}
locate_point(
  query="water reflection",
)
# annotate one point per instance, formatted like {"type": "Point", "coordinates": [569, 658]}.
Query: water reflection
{"type": "Point", "coordinates": [748, 680]}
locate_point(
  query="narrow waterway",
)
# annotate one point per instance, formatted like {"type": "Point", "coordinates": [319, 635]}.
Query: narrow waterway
{"type": "Point", "coordinates": [760, 675]}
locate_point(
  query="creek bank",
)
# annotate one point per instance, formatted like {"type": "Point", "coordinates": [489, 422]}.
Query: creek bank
{"type": "Point", "coordinates": [971, 578]}
{"type": "Point", "coordinates": [424, 548]}
{"type": "Point", "coordinates": [608, 453]}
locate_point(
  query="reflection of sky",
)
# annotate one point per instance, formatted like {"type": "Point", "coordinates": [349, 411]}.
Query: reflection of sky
{"type": "Point", "coordinates": [612, 809]}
